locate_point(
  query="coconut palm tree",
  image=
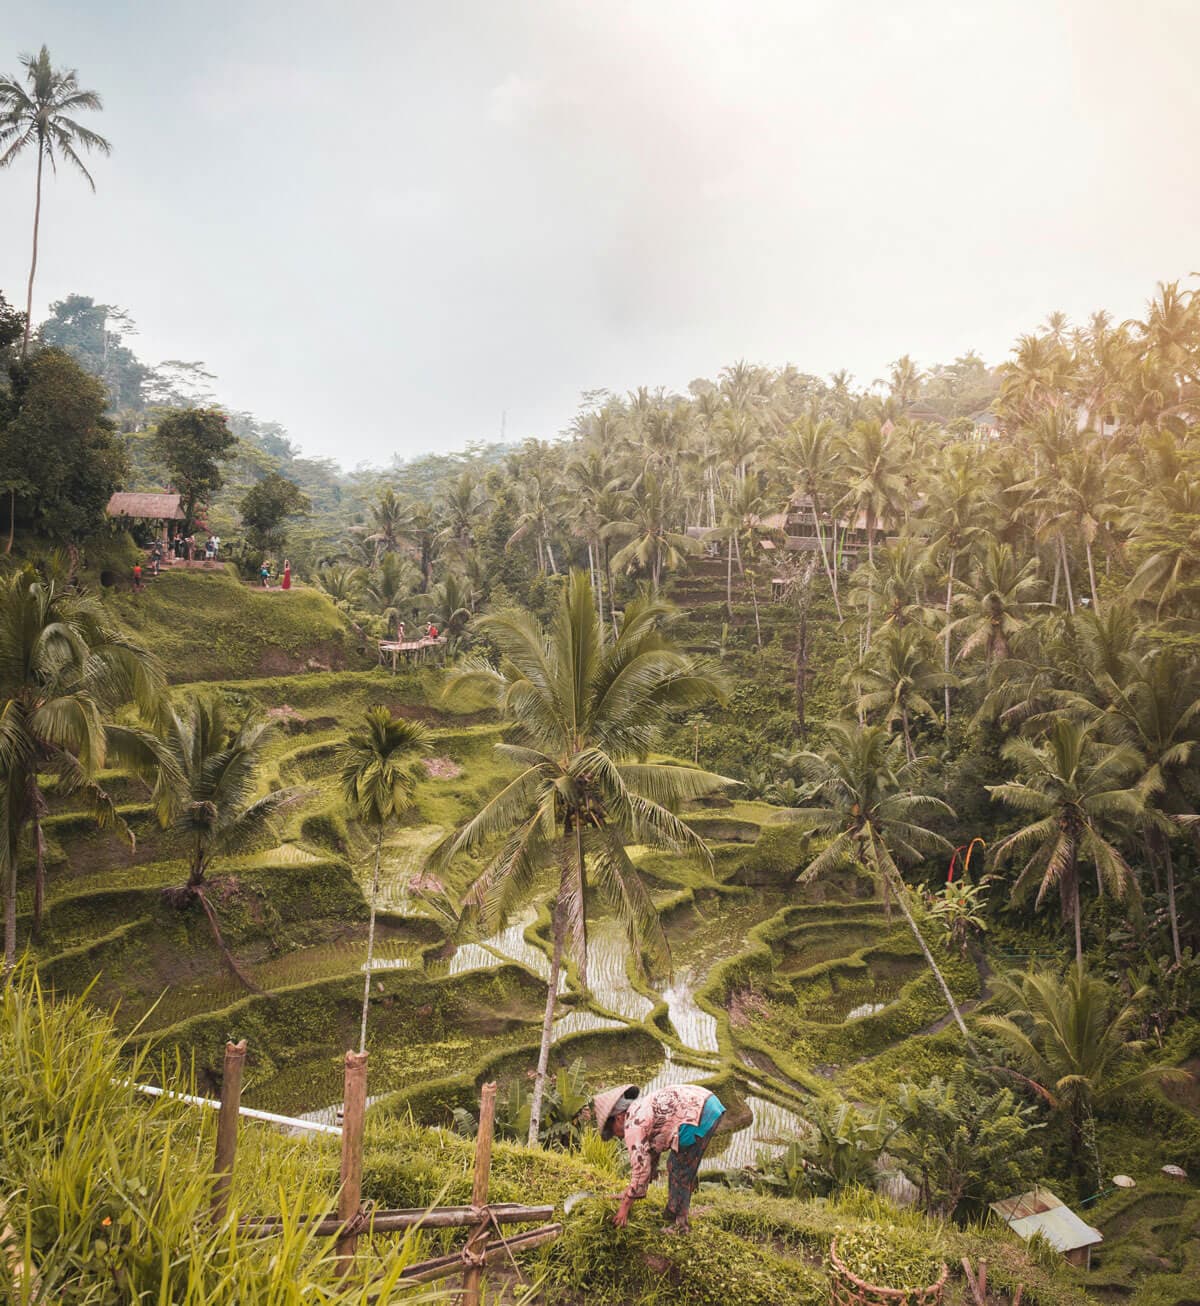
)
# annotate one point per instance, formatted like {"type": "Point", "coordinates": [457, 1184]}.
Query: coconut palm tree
{"type": "Point", "coordinates": [1155, 708]}
{"type": "Point", "coordinates": [898, 679]}
{"type": "Point", "coordinates": [40, 117]}
{"type": "Point", "coordinates": [450, 604]}
{"type": "Point", "coordinates": [954, 510]}
{"type": "Point", "coordinates": [807, 456]}
{"type": "Point", "coordinates": [1076, 787]}
{"type": "Point", "coordinates": [205, 791]}
{"type": "Point", "coordinates": [1070, 1035]}
{"type": "Point", "coordinates": [1000, 602]}
{"type": "Point", "coordinates": [585, 711]}
{"type": "Point", "coordinates": [63, 668]}
{"type": "Point", "coordinates": [389, 588]}
{"type": "Point", "coordinates": [653, 545]}
{"type": "Point", "coordinates": [873, 808]}
{"type": "Point", "coordinates": [379, 772]}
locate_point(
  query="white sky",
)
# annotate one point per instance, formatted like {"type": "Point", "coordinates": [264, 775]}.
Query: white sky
{"type": "Point", "coordinates": [382, 224]}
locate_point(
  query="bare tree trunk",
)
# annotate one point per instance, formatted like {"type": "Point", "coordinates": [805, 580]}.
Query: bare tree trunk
{"type": "Point", "coordinates": [729, 576]}
{"type": "Point", "coordinates": [39, 872]}
{"type": "Point", "coordinates": [539, 1079]}
{"type": "Point", "coordinates": [10, 918]}
{"type": "Point", "coordinates": [933, 966]}
{"type": "Point", "coordinates": [1057, 573]}
{"type": "Point", "coordinates": [802, 673]}
{"type": "Point", "coordinates": [949, 606]}
{"type": "Point", "coordinates": [37, 218]}
{"type": "Point", "coordinates": [754, 600]}
{"type": "Point", "coordinates": [1062, 544]}
{"type": "Point", "coordinates": [1092, 576]}
{"type": "Point", "coordinates": [1171, 900]}
{"type": "Point", "coordinates": [829, 571]}
{"type": "Point", "coordinates": [12, 519]}
{"type": "Point", "coordinates": [362, 1037]}
{"type": "Point", "coordinates": [1077, 913]}
{"type": "Point", "coordinates": [908, 748]}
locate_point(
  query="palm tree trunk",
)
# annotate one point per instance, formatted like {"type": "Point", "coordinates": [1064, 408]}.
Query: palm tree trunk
{"type": "Point", "coordinates": [10, 913]}
{"type": "Point", "coordinates": [830, 574]}
{"type": "Point", "coordinates": [949, 606]}
{"type": "Point", "coordinates": [1057, 573]}
{"type": "Point", "coordinates": [908, 747]}
{"type": "Point", "coordinates": [729, 576]}
{"type": "Point", "coordinates": [37, 218]}
{"type": "Point", "coordinates": [1062, 544]}
{"type": "Point", "coordinates": [1092, 575]}
{"type": "Point", "coordinates": [362, 1036]}
{"type": "Point", "coordinates": [933, 966]}
{"type": "Point", "coordinates": [539, 1079]}
{"type": "Point", "coordinates": [1171, 901]}
{"type": "Point", "coordinates": [39, 870]}
{"type": "Point", "coordinates": [12, 519]}
{"type": "Point", "coordinates": [1077, 914]}
{"type": "Point", "coordinates": [802, 674]}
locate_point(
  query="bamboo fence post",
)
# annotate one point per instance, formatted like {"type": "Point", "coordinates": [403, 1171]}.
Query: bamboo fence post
{"type": "Point", "coordinates": [477, 1240]}
{"type": "Point", "coordinates": [227, 1128]}
{"type": "Point", "coordinates": [350, 1192]}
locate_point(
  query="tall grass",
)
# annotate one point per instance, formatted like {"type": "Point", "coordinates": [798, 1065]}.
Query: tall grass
{"type": "Point", "coordinates": [106, 1193]}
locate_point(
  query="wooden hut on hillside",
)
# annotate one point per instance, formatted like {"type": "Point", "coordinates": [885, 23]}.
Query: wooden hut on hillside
{"type": "Point", "coordinates": [160, 509]}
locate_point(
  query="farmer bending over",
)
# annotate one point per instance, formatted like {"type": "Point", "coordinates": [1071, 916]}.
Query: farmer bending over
{"type": "Point", "coordinates": [678, 1120]}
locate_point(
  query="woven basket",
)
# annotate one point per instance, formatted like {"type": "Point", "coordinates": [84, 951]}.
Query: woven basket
{"type": "Point", "coordinates": [847, 1289]}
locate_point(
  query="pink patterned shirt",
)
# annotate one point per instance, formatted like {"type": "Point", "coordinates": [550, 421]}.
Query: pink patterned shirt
{"type": "Point", "coordinates": [652, 1128]}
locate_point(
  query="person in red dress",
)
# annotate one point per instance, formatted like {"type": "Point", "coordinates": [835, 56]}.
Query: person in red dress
{"type": "Point", "coordinates": [287, 575]}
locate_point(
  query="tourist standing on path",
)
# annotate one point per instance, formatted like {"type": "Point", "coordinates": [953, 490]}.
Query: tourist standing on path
{"type": "Point", "coordinates": [216, 546]}
{"type": "Point", "coordinates": [137, 577]}
{"type": "Point", "coordinates": [678, 1121]}
{"type": "Point", "coordinates": [399, 631]}
{"type": "Point", "coordinates": [264, 574]}
{"type": "Point", "coordinates": [287, 574]}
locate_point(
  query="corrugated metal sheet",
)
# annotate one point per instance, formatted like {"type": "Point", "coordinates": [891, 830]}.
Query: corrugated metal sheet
{"type": "Point", "coordinates": [1061, 1228]}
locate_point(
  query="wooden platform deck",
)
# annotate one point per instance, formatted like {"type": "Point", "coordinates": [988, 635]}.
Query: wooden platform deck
{"type": "Point", "coordinates": [411, 650]}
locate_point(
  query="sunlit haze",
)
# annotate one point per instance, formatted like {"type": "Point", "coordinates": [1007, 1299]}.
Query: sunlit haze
{"type": "Point", "coordinates": [394, 227]}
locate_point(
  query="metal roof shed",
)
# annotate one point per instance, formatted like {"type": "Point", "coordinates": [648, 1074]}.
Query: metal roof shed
{"type": "Point", "coordinates": [1040, 1211]}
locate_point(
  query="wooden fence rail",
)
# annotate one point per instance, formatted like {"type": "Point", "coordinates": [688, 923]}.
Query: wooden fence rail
{"type": "Point", "coordinates": [486, 1245]}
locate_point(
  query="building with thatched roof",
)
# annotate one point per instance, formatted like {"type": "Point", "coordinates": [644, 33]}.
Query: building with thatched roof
{"type": "Point", "coordinates": [145, 507]}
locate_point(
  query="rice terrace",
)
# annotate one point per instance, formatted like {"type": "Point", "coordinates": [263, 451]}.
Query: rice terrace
{"type": "Point", "coordinates": [726, 837]}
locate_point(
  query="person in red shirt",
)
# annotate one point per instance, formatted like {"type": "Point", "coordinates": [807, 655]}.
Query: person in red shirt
{"type": "Point", "coordinates": [137, 576]}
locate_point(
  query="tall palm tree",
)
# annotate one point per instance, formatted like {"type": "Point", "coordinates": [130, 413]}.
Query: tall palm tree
{"type": "Point", "coordinates": [585, 711]}
{"type": "Point", "coordinates": [1076, 788]}
{"type": "Point", "coordinates": [807, 455]}
{"type": "Point", "coordinates": [1000, 602]}
{"type": "Point", "coordinates": [41, 118]}
{"type": "Point", "coordinates": [1155, 707]}
{"type": "Point", "coordinates": [898, 679]}
{"type": "Point", "coordinates": [380, 769]}
{"type": "Point", "coordinates": [450, 604]}
{"type": "Point", "coordinates": [389, 588]}
{"type": "Point", "coordinates": [205, 791]}
{"type": "Point", "coordinates": [872, 806]}
{"type": "Point", "coordinates": [63, 668]}
{"type": "Point", "coordinates": [954, 511]}
{"type": "Point", "coordinates": [1070, 1035]}
{"type": "Point", "coordinates": [653, 544]}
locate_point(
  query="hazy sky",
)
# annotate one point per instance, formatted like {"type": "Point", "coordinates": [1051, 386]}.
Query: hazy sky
{"type": "Point", "coordinates": [383, 224]}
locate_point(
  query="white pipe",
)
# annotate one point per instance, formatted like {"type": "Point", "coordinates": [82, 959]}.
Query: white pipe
{"type": "Point", "coordinates": [269, 1116]}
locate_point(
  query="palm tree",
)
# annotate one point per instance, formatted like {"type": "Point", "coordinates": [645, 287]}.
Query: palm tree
{"type": "Point", "coordinates": [1070, 1035]}
{"type": "Point", "coordinates": [585, 711]}
{"type": "Point", "coordinates": [652, 546]}
{"type": "Point", "coordinates": [42, 118]}
{"type": "Point", "coordinates": [205, 791]}
{"type": "Point", "coordinates": [390, 587]}
{"type": "Point", "coordinates": [450, 604]}
{"type": "Point", "coordinates": [1155, 707]}
{"type": "Point", "coordinates": [807, 455]}
{"type": "Point", "coordinates": [898, 678]}
{"type": "Point", "coordinates": [954, 512]}
{"type": "Point", "coordinates": [1075, 788]}
{"type": "Point", "coordinates": [380, 768]}
{"type": "Point", "coordinates": [1000, 603]}
{"type": "Point", "coordinates": [389, 522]}
{"type": "Point", "coordinates": [872, 806]}
{"type": "Point", "coordinates": [62, 668]}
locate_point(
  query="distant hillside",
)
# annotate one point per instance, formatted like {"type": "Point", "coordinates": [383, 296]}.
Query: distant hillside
{"type": "Point", "coordinates": [207, 625]}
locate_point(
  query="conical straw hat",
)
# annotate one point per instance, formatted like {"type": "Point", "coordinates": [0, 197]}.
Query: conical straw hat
{"type": "Point", "coordinates": [603, 1103]}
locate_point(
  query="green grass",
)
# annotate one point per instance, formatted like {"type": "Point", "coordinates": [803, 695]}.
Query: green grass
{"type": "Point", "coordinates": [209, 626]}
